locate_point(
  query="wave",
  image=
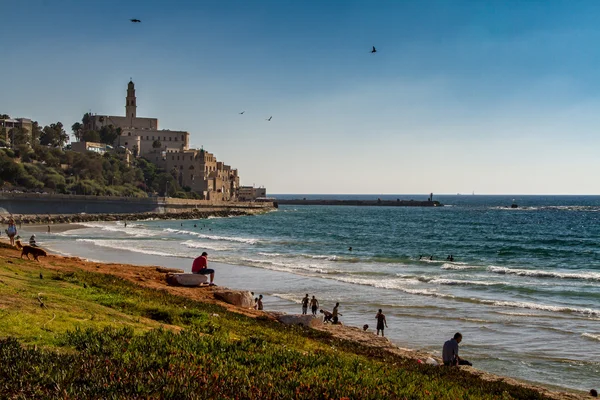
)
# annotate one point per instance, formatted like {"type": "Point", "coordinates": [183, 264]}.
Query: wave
{"type": "Point", "coordinates": [212, 237]}
{"type": "Point", "coordinates": [114, 244]}
{"type": "Point", "coordinates": [542, 307]}
{"type": "Point", "coordinates": [456, 267]}
{"type": "Point", "coordinates": [591, 276]}
{"type": "Point", "coordinates": [132, 230]}
{"type": "Point", "coordinates": [210, 246]}
{"type": "Point", "coordinates": [591, 336]}
{"type": "Point", "coordinates": [457, 282]}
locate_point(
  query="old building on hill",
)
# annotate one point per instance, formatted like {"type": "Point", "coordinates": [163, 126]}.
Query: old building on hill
{"type": "Point", "coordinates": [138, 134]}
{"type": "Point", "coordinates": [196, 169]}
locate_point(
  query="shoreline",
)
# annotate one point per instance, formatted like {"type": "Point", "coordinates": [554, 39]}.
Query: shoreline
{"type": "Point", "coordinates": [148, 276]}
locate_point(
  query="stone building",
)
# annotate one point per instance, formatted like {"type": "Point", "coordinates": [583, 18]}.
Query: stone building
{"type": "Point", "coordinates": [200, 171]}
{"type": "Point", "coordinates": [6, 124]}
{"type": "Point", "coordinates": [250, 193]}
{"type": "Point", "coordinates": [139, 134]}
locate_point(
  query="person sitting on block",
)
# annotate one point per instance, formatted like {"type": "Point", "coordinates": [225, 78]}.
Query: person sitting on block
{"type": "Point", "coordinates": [200, 266]}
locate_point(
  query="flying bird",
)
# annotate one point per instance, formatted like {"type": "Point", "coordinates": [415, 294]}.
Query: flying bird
{"type": "Point", "coordinates": [134, 20]}
{"type": "Point", "coordinates": [242, 112]}
{"type": "Point", "coordinates": [268, 119]}
{"type": "Point", "coordinates": [374, 50]}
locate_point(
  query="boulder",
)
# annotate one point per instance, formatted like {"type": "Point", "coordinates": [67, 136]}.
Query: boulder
{"type": "Point", "coordinates": [299, 319]}
{"type": "Point", "coordinates": [240, 298]}
{"type": "Point", "coordinates": [164, 270]}
{"type": "Point", "coordinates": [186, 279]}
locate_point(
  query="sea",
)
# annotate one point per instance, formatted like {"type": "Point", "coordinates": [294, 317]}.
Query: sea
{"type": "Point", "coordinates": [523, 287]}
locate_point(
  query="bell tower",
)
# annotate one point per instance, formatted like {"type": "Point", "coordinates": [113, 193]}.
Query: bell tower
{"type": "Point", "coordinates": [130, 102]}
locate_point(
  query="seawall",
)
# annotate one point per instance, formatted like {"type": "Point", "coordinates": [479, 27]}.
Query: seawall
{"type": "Point", "coordinates": [57, 204]}
{"type": "Point", "coordinates": [383, 203]}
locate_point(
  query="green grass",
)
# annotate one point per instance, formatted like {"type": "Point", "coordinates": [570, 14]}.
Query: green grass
{"type": "Point", "coordinates": [98, 336]}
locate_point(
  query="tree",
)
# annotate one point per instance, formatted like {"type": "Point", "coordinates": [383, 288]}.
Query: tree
{"type": "Point", "coordinates": [54, 135]}
{"type": "Point", "coordinates": [77, 129]}
{"type": "Point", "coordinates": [108, 134]}
{"type": "Point", "coordinates": [156, 144]}
{"type": "Point", "coordinates": [36, 133]}
{"type": "Point", "coordinates": [4, 116]}
{"type": "Point", "coordinates": [18, 136]}
{"type": "Point", "coordinates": [90, 136]}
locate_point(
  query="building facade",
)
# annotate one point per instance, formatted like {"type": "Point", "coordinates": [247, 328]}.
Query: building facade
{"type": "Point", "coordinates": [140, 135]}
{"type": "Point", "coordinates": [6, 124]}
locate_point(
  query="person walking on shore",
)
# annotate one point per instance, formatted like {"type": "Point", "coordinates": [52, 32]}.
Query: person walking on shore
{"type": "Point", "coordinates": [335, 313]}
{"type": "Point", "coordinates": [200, 266]}
{"type": "Point", "coordinates": [314, 305]}
{"type": "Point", "coordinates": [11, 231]}
{"type": "Point", "coordinates": [380, 322]}
{"type": "Point", "coordinates": [450, 352]}
{"type": "Point", "coordinates": [305, 302]}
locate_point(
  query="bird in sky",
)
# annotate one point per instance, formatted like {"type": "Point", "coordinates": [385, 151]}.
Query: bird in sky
{"type": "Point", "coordinates": [242, 112]}
{"type": "Point", "coordinates": [374, 50]}
{"type": "Point", "coordinates": [134, 20]}
{"type": "Point", "coordinates": [268, 119]}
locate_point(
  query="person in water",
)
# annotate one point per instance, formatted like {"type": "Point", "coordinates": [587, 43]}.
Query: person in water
{"type": "Point", "coordinates": [381, 322]}
{"type": "Point", "coordinates": [450, 258]}
{"type": "Point", "coordinates": [314, 305]}
{"type": "Point", "coordinates": [305, 302]}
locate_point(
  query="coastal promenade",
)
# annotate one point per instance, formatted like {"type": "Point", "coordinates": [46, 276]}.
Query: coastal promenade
{"type": "Point", "coordinates": [45, 206]}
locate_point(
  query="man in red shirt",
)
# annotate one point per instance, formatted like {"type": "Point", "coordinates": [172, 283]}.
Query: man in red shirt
{"type": "Point", "coordinates": [200, 266]}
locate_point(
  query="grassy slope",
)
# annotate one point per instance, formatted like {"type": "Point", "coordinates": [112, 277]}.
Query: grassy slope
{"type": "Point", "coordinates": [100, 336]}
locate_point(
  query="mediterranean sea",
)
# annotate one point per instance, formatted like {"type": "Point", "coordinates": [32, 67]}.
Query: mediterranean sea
{"type": "Point", "coordinates": [523, 287]}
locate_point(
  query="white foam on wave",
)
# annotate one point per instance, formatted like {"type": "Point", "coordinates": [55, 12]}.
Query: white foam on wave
{"type": "Point", "coordinates": [591, 336]}
{"type": "Point", "coordinates": [132, 230]}
{"type": "Point", "coordinates": [289, 267]}
{"type": "Point", "coordinates": [590, 276]}
{"type": "Point", "coordinates": [118, 244]}
{"type": "Point", "coordinates": [459, 267]}
{"type": "Point", "coordinates": [210, 246]}
{"type": "Point", "coordinates": [288, 296]}
{"type": "Point", "coordinates": [458, 282]}
{"type": "Point", "coordinates": [542, 307]}
{"type": "Point", "coordinates": [212, 237]}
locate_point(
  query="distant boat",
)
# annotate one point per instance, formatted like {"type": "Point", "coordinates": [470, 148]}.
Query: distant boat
{"type": "Point", "coordinates": [514, 205]}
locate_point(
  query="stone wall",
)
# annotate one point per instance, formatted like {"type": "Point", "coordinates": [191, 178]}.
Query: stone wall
{"type": "Point", "coordinates": [36, 204]}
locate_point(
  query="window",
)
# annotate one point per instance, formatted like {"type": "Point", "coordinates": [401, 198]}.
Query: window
{"type": "Point", "coordinates": [182, 138]}
{"type": "Point", "coordinates": [172, 158]}
{"type": "Point", "coordinates": [177, 158]}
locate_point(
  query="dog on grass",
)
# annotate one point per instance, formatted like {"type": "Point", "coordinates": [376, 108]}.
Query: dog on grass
{"type": "Point", "coordinates": [34, 251]}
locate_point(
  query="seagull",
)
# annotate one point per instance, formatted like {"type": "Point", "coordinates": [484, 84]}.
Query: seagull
{"type": "Point", "coordinates": [242, 112]}
{"type": "Point", "coordinates": [268, 119]}
{"type": "Point", "coordinates": [134, 20]}
{"type": "Point", "coordinates": [374, 50]}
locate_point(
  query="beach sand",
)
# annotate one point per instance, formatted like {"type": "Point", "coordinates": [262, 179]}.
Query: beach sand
{"type": "Point", "coordinates": [150, 276]}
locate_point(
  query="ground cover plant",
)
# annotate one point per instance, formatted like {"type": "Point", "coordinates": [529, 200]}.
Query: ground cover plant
{"type": "Point", "coordinates": [77, 334]}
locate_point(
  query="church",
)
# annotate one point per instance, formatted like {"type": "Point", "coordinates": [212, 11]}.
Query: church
{"type": "Point", "coordinates": [140, 135]}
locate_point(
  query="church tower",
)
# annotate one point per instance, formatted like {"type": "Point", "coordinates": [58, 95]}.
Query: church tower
{"type": "Point", "coordinates": [130, 105]}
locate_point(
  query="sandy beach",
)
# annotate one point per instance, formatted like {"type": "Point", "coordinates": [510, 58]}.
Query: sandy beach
{"type": "Point", "coordinates": [149, 276]}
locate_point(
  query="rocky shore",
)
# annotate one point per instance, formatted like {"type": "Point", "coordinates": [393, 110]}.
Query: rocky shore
{"type": "Point", "coordinates": [78, 218]}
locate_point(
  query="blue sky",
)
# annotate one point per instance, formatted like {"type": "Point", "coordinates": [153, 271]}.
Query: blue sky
{"type": "Point", "coordinates": [485, 96]}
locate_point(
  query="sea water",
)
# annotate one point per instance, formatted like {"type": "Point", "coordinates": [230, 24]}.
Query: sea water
{"type": "Point", "coordinates": [523, 289]}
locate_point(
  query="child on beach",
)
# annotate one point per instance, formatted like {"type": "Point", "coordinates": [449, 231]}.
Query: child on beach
{"type": "Point", "coordinates": [260, 304]}
{"type": "Point", "coordinates": [326, 315]}
{"type": "Point", "coordinates": [336, 313]}
{"type": "Point", "coordinates": [256, 303]}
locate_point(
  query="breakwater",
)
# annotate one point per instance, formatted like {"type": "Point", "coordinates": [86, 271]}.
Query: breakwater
{"type": "Point", "coordinates": [75, 218]}
{"type": "Point", "coordinates": [378, 202]}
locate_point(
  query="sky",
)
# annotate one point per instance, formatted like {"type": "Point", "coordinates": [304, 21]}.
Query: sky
{"type": "Point", "coordinates": [491, 97]}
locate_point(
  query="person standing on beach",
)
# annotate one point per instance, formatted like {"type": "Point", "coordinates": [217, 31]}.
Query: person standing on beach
{"type": "Point", "coordinates": [450, 352]}
{"type": "Point", "coordinates": [314, 305]}
{"type": "Point", "coordinates": [305, 302]}
{"type": "Point", "coordinates": [380, 322]}
{"type": "Point", "coordinates": [200, 266]}
{"type": "Point", "coordinates": [11, 231]}
{"type": "Point", "coordinates": [260, 304]}
{"type": "Point", "coordinates": [335, 313]}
